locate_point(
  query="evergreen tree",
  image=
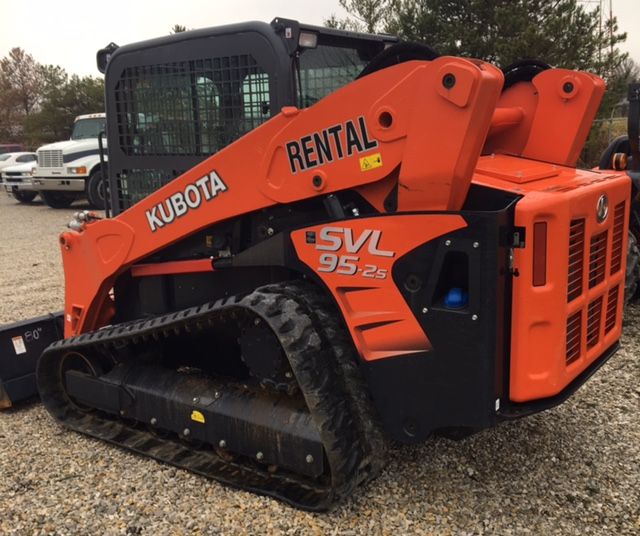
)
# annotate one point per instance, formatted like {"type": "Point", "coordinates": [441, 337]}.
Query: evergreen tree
{"type": "Point", "coordinates": [364, 15]}
{"type": "Point", "coordinates": [563, 33]}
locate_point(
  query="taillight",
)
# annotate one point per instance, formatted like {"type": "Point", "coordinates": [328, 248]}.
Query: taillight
{"type": "Point", "coordinates": [539, 254]}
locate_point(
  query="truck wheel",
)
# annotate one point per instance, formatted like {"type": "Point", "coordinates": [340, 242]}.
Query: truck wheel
{"type": "Point", "coordinates": [633, 269]}
{"type": "Point", "coordinates": [95, 190]}
{"type": "Point", "coordinates": [24, 197]}
{"type": "Point", "coordinates": [57, 199]}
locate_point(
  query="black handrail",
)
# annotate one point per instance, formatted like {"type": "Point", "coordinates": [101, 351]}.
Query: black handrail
{"type": "Point", "coordinates": [104, 181]}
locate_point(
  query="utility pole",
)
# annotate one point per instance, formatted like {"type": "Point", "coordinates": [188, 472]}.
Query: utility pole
{"type": "Point", "coordinates": [611, 28]}
{"type": "Point", "coordinates": [600, 34]}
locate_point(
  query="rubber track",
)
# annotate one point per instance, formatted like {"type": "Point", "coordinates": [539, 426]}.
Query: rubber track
{"type": "Point", "coordinates": [321, 356]}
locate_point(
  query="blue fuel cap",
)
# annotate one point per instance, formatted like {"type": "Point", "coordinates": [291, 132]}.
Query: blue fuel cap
{"type": "Point", "coordinates": [456, 298]}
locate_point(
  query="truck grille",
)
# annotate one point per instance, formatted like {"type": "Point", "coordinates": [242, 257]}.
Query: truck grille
{"type": "Point", "coordinates": [50, 159]}
{"type": "Point", "coordinates": [586, 326]}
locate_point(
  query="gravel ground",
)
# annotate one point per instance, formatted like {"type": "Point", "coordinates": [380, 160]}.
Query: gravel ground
{"type": "Point", "coordinates": [571, 470]}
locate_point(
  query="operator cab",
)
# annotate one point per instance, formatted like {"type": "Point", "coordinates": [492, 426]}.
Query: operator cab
{"type": "Point", "coordinates": [174, 101]}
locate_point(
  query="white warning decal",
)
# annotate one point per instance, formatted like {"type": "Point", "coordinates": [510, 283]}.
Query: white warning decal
{"type": "Point", "coordinates": [18, 345]}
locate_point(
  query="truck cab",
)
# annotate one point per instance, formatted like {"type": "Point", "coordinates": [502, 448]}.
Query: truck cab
{"type": "Point", "coordinates": [69, 170]}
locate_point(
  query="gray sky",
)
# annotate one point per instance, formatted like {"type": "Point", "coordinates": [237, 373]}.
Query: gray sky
{"type": "Point", "coordinates": [69, 32]}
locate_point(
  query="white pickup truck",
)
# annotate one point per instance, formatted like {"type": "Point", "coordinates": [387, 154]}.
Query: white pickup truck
{"type": "Point", "coordinates": [69, 170]}
{"type": "Point", "coordinates": [17, 181]}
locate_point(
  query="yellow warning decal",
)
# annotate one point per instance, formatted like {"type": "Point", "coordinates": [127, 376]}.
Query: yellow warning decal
{"type": "Point", "coordinates": [197, 416]}
{"type": "Point", "coordinates": [371, 161]}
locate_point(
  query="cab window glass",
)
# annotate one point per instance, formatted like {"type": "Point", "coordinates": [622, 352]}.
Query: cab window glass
{"type": "Point", "coordinates": [190, 108]}
{"type": "Point", "coordinates": [327, 67]}
{"type": "Point", "coordinates": [85, 129]}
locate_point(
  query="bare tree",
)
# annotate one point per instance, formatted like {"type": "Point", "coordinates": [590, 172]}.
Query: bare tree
{"type": "Point", "coordinates": [20, 74]}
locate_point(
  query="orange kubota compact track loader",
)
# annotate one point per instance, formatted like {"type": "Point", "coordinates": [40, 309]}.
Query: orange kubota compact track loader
{"type": "Point", "coordinates": [384, 243]}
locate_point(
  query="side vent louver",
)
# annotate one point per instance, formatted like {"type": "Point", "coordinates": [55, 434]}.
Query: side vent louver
{"type": "Point", "coordinates": [593, 322]}
{"type": "Point", "coordinates": [597, 258]}
{"type": "Point", "coordinates": [612, 310]}
{"type": "Point", "coordinates": [574, 337]}
{"type": "Point", "coordinates": [618, 235]}
{"type": "Point", "coordinates": [576, 259]}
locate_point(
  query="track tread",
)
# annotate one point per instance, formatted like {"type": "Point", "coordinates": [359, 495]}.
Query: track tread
{"type": "Point", "coordinates": [322, 358]}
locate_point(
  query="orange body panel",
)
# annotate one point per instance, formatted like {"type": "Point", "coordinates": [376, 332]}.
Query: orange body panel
{"type": "Point", "coordinates": [562, 326]}
{"type": "Point", "coordinates": [355, 258]}
{"type": "Point", "coordinates": [544, 121]}
{"type": "Point", "coordinates": [391, 108]}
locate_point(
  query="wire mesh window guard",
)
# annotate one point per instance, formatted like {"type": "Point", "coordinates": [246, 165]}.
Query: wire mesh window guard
{"type": "Point", "coordinates": [190, 108]}
{"type": "Point", "coordinates": [184, 109]}
{"type": "Point", "coordinates": [327, 68]}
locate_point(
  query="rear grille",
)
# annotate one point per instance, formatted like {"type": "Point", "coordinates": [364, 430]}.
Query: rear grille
{"type": "Point", "coordinates": [594, 314]}
{"type": "Point", "coordinates": [50, 159]}
{"type": "Point", "coordinates": [597, 258]}
{"type": "Point", "coordinates": [612, 309]}
{"type": "Point", "coordinates": [576, 259]}
{"type": "Point", "coordinates": [574, 336]}
{"type": "Point", "coordinates": [618, 234]}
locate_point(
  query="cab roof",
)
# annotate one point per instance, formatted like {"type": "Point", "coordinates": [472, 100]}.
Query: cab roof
{"type": "Point", "coordinates": [286, 31]}
{"type": "Point", "coordinates": [90, 116]}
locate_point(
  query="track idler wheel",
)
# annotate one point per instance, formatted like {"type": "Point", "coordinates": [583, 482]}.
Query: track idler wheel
{"type": "Point", "coordinates": [85, 363]}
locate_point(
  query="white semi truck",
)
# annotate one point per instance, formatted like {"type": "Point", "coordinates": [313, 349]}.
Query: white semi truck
{"type": "Point", "coordinates": [71, 169]}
